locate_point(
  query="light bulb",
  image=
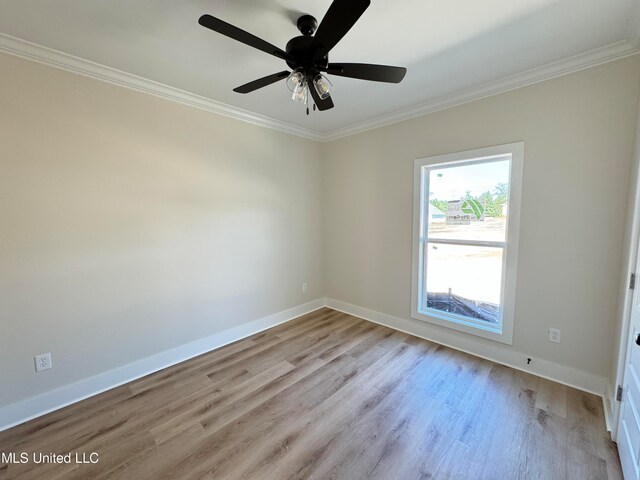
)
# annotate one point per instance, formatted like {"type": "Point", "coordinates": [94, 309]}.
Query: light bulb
{"type": "Point", "coordinates": [322, 86]}
{"type": "Point", "coordinates": [296, 81]}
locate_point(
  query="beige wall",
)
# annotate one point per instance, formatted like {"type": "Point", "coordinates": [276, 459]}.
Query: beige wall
{"type": "Point", "coordinates": [131, 225]}
{"type": "Point", "coordinates": [578, 133]}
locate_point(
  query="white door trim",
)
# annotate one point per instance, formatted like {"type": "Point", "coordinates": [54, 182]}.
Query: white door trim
{"type": "Point", "coordinates": [630, 262]}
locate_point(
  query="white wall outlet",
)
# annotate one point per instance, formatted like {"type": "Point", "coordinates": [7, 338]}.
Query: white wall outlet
{"type": "Point", "coordinates": [554, 335]}
{"type": "Point", "coordinates": [305, 287]}
{"type": "Point", "coordinates": [43, 362]}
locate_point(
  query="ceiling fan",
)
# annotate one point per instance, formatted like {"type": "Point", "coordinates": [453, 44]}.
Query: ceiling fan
{"type": "Point", "coordinates": [308, 54]}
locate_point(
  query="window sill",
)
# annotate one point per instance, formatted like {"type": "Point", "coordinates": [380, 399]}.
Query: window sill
{"type": "Point", "coordinates": [455, 322]}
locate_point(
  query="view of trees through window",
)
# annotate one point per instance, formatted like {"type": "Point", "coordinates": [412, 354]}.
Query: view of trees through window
{"type": "Point", "coordinates": [494, 200]}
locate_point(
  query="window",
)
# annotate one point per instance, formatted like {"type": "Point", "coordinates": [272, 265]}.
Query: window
{"type": "Point", "coordinates": [465, 240]}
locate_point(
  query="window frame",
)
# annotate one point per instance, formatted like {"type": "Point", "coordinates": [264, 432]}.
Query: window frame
{"type": "Point", "coordinates": [503, 333]}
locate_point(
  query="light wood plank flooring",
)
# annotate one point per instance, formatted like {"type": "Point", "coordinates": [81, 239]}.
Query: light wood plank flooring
{"type": "Point", "coordinates": [327, 396]}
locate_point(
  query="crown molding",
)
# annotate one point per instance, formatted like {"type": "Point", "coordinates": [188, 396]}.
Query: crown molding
{"type": "Point", "coordinates": [54, 58]}
{"type": "Point", "coordinates": [582, 61]}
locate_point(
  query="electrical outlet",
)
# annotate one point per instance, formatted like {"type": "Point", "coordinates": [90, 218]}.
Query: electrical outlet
{"type": "Point", "coordinates": [305, 287]}
{"type": "Point", "coordinates": [554, 335]}
{"type": "Point", "coordinates": [43, 362]}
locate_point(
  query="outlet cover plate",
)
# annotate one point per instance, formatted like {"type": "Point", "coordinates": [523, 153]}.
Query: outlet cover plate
{"type": "Point", "coordinates": [43, 362]}
{"type": "Point", "coordinates": [555, 335]}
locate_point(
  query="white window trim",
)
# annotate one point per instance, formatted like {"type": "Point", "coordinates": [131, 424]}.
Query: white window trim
{"type": "Point", "coordinates": [510, 267]}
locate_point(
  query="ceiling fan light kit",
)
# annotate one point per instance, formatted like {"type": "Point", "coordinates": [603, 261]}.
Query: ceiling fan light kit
{"type": "Point", "coordinates": [308, 54]}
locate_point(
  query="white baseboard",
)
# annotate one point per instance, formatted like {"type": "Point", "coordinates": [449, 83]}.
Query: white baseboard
{"type": "Point", "coordinates": [569, 376]}
{"type": "Point", "coordinates": [39, 405]}
{"type": "Point", "coordinates": [606, 407]}
{"type": "Point", "coordinates": [611, 406]}
{"type": "Point", "coordinates": [46, 402]}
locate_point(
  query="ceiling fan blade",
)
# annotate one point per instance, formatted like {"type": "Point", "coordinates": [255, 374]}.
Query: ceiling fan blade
{"type": "Point", "coordinates": [338, 20]}
{"type": "Point", "coordinates": [247, 38]}
{"type": "Point", "coordinates": [262, 82]}
{"type": "Point", "coordinates": [325, 104]}
{"type": "Point", "coordinates": [366, 71]}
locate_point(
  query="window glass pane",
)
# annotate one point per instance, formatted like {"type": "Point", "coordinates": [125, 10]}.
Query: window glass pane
{"type": "Point", "coordinates": [469, 202]}
{"type": "Point", "coordinates": [464, 280]}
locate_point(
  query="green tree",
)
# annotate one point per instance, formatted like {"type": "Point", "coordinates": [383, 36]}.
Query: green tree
{"type": "Point", "coordinates": [501, 192]}
{"type": "Point", "coordinates": [493, 201]}
{"type": "Point", "coordinates": [500, 195]}
{"type": "Point", "coordinates": [439, 204]}
{"type": "Point", "coordinates": [490, 209]}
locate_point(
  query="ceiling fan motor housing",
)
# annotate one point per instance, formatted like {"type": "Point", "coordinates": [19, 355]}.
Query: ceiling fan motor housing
{"type": "Point", "coordinates": [300, 48]}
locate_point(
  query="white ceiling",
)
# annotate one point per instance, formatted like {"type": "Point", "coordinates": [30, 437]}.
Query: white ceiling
{"type": "Point", "coordinates": [447, 46]}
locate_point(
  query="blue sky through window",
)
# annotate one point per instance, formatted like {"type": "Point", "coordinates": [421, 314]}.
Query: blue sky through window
{"type": "Point", "coordinates": [452, 183]}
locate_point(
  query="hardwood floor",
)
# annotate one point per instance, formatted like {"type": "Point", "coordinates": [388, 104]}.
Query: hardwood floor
{"type": "Point", "coordinates": [326, 396]}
